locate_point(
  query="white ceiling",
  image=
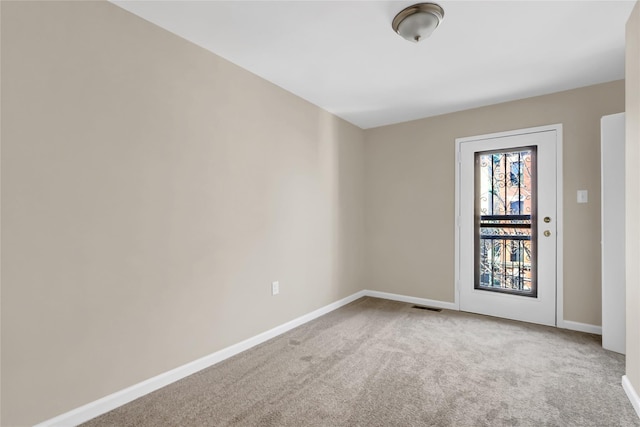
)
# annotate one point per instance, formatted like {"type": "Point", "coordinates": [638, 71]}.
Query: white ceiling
{"type": "Point", "coordinates": [344, 57]}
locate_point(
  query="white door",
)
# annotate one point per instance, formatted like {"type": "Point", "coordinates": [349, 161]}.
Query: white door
{"type": "Point", "coordinates": [508, 225]}
{"type": "Point", "coordinates": [612, 175]}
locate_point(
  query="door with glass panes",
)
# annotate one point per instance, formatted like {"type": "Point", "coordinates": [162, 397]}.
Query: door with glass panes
{"type": "Point", "coordinates": [507, 225]}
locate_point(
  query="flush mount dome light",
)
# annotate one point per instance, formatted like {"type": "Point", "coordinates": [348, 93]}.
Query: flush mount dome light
{"type": "Point", "coordinates": [417, 22]}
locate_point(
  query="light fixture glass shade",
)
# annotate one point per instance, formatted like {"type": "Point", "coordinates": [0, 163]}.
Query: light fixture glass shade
{"type": "Point", "coordinates": [417, 22]}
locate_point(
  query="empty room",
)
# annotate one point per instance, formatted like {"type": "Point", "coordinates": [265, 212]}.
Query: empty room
{"type": "Point", "coordinates": [320, 213]}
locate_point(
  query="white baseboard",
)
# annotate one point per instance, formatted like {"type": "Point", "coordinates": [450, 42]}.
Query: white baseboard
{"type": "Point", "coordinates": [112, 401]}
{"type": "Point", "coordinates": [581, 327]}
{"type": "Point", "coordinates": [412, 300]}
{"type": "Point", "coordinates": [631, 394]}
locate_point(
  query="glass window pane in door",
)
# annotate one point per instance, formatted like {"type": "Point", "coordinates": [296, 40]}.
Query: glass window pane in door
{"type": "Point", "coordinates": [505, 212]}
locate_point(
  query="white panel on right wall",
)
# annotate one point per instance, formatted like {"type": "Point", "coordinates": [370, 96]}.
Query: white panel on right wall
{"type": "Point", "coordinates": [613, 235]}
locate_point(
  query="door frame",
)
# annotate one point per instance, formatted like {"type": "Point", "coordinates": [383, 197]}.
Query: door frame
{"type": "Point", "coordinates": [559, 214]}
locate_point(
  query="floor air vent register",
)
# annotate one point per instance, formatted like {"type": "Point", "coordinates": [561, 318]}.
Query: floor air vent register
{"type": "Point", "coordinates": [421, 307]}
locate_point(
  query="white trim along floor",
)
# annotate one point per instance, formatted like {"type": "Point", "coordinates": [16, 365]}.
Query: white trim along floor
{"type": "Point", "coordinates": [122, 397]}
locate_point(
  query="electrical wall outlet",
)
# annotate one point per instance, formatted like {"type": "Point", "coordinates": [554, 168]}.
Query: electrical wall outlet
{"type": "Point", "coordinates": [275, 288]}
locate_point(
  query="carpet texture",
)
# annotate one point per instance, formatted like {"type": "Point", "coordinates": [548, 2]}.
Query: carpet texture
{"type": "Point", "coordinates": [383, 363]}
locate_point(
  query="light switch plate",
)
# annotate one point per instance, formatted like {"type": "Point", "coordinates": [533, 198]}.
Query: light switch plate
{"type": "Point", "coordinates": [583, 196]}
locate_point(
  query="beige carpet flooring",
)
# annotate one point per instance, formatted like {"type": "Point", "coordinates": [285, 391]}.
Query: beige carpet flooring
{"type": "Point", "coordinates": [383, 363]}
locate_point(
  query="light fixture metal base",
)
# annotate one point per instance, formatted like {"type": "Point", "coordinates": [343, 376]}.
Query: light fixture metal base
{"type": "Point", "coordinates": [432, 9]}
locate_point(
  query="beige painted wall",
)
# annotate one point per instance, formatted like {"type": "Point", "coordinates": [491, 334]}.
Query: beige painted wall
{"type": "Point", "coordinates": [632, 197]}
{"type": "Point", "coordinates": [409, 194]}
{"type": "Point", "coordinates": [151, 191]}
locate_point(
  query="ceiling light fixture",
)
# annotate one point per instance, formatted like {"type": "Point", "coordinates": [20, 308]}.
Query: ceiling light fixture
{"type": "Point", "coordinates": [417, 22]}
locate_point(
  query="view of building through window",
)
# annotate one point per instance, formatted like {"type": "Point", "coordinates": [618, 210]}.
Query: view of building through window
{"type": "Point", "coordinates": [505, 205]}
